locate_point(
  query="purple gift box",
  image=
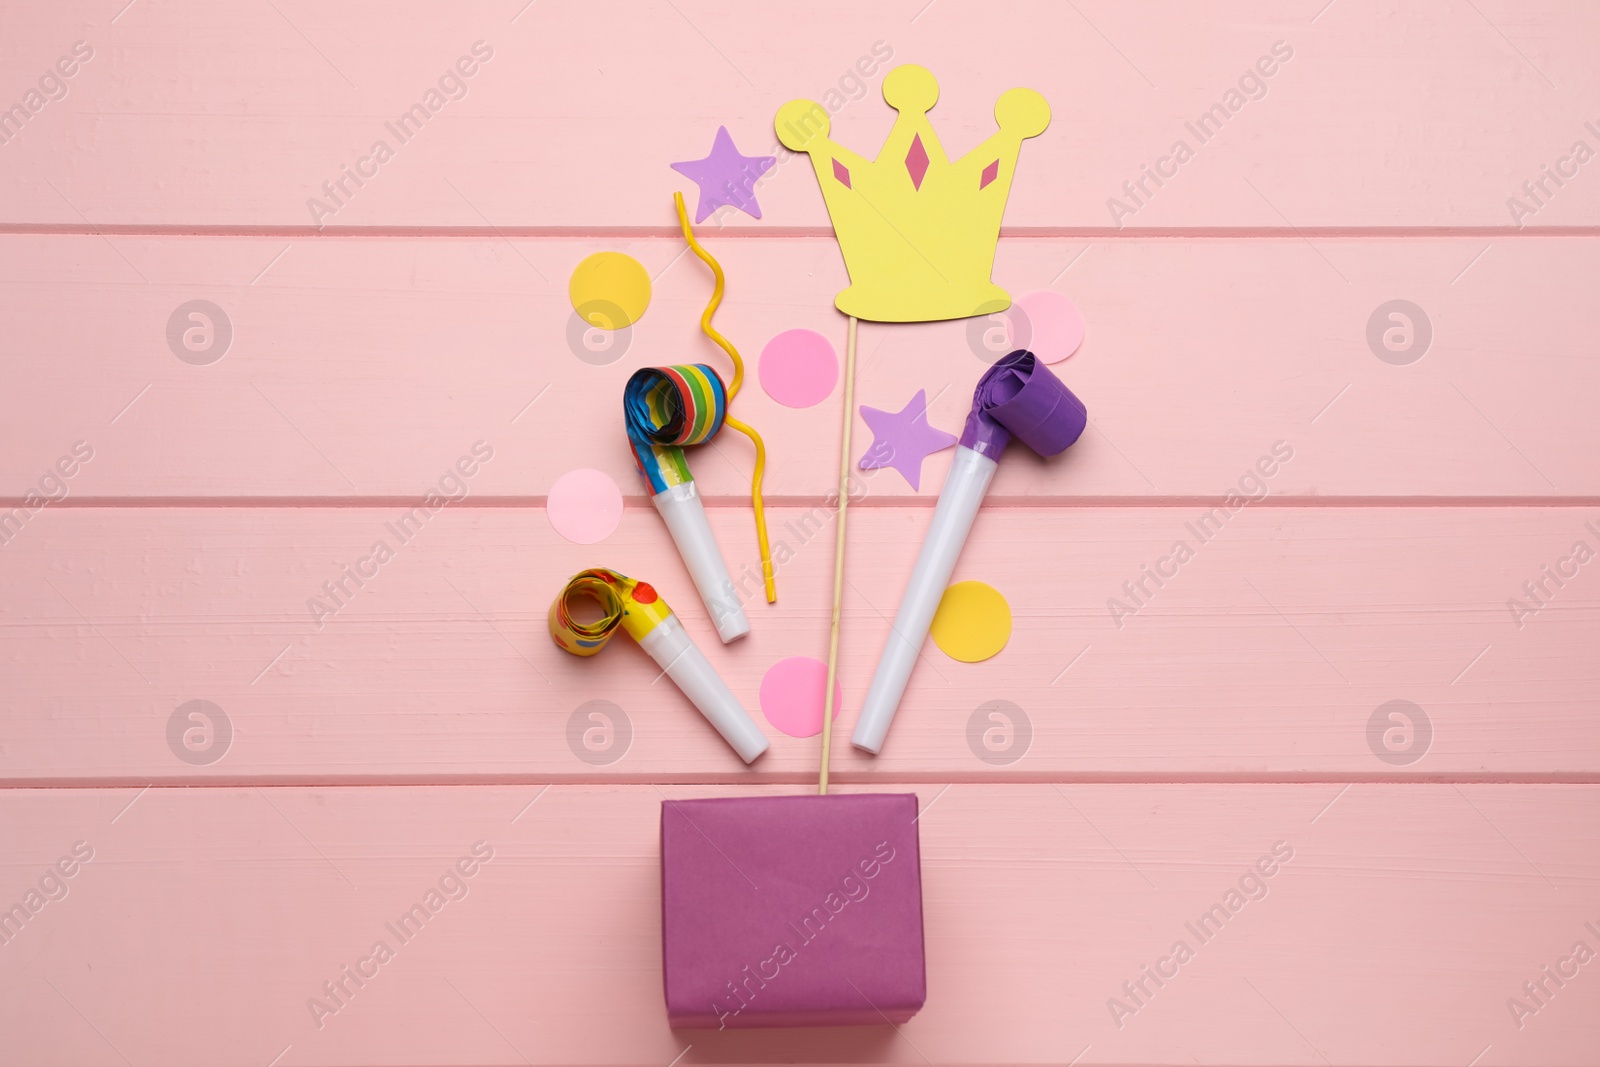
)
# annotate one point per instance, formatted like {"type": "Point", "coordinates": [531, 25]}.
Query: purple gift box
{"type": "Point", "coordinates": [791, 911]}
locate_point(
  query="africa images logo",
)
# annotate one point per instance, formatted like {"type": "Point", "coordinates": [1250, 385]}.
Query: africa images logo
{"type": "Point", "coordinates": [1140, 990]}
{"type": "Point", "coordinates": [853, 888]}
{"type": "Point", "coordinates": [453, 885]}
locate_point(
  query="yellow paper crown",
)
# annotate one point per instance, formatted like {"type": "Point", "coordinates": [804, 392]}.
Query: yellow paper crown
{"type": "Point", "coordinates": [917, 231]}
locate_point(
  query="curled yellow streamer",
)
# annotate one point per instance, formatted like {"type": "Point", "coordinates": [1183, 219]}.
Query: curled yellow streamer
{"type": "Point", "coordinates": [733, 390]}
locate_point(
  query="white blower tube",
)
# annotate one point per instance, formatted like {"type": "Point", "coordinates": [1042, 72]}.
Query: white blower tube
{"type": "Point", "coordinates": [685, 515]}
{"type": "Point", "coordinates": [676, 653]}
{"type": "Point", "coordinates": [964, 487]}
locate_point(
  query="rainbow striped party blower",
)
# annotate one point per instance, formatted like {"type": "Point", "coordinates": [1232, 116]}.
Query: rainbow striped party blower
{"type": "Point", "coordinates": [667, 408]}
{"type": "Point", "coordinates": [636, 607]}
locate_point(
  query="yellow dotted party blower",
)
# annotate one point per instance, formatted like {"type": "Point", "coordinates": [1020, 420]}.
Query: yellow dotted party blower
{"type": "Point", "coordinates": [636, 607]}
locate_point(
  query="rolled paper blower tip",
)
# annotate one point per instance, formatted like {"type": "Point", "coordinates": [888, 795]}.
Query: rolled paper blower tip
{"type": "Point", "coordinates": [1021, 397]}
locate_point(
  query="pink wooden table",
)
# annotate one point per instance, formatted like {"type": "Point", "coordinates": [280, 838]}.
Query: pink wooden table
{"type": "Point", "coordinates": [1442, 900]}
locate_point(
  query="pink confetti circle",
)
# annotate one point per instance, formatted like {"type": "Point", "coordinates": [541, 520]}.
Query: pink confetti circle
{"type": "Point", "coordinates": [791, 695]}
{"type": "Point", "coordinates": [798, 369]}
{"type": "Point", "coordinates": [1052, 322]}
{"type": "Point", "coordinates": [584, 506]}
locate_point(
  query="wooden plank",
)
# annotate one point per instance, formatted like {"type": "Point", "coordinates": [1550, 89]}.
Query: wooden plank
{"type": "Point", "coordinates": [1431, 114]}
{"type": "Point", "coordinates": [363, 369]}
{"type": "Point", "coordinates": [208, 918]}
{"type": "Point", "coordinates": [1265, 656]}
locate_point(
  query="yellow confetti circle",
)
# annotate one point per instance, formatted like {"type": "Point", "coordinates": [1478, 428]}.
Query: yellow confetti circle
{"type": "Point", "coordinates": [973, 622]}
{"type": "Point", "coordinates": [609, 290]}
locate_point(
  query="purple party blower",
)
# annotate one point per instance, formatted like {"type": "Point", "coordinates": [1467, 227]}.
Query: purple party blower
{"type": "Point", "coordinates": [1017, 397]}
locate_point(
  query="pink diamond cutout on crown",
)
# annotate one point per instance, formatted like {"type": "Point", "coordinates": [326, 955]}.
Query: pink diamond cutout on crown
{"type": "Point", "coordinates": [917, 161]}
{"type": "Point", "coordinates": [841, 172]}
{"type": "Point", "coordinates": [990, 173]}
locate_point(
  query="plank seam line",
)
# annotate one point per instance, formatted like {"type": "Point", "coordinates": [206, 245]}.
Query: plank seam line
{"type": "Point", "coordinates": [903, 502]}
{"type": "Point", "coordinates": [798, 779]}
{"type": "Point", "coordinates": [497, 233]}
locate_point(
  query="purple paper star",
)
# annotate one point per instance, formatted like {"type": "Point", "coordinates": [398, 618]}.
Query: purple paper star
{"type": "Point", "coordinates": [726, 177]}
{"type": "Point", "coordinates": [903, 439]}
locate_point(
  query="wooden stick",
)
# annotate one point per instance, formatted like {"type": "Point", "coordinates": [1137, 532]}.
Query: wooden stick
{"type": "Point", "coordinates": [838, 550]}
